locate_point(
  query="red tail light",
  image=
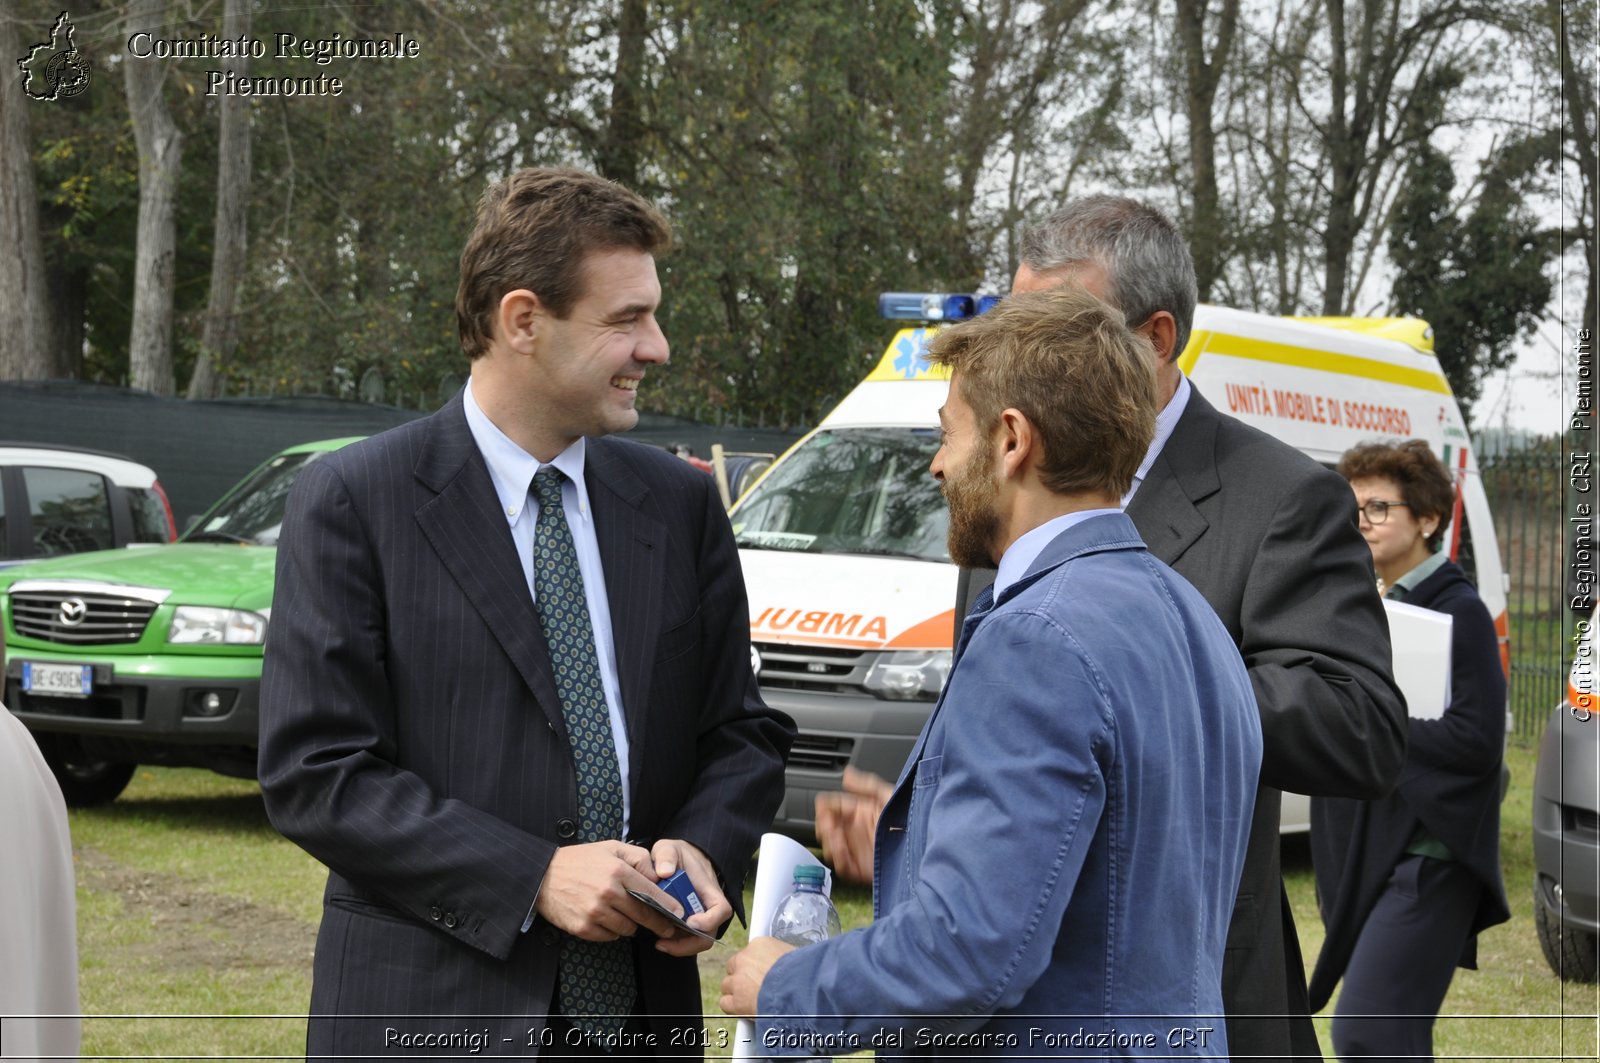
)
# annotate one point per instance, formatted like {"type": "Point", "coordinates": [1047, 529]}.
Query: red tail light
{"type": "Point", "coordinates": [166, 506]}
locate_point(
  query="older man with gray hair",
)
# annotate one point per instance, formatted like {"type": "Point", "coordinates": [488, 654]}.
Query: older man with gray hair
{"type": "Point", "coordinates": [1269, 538]}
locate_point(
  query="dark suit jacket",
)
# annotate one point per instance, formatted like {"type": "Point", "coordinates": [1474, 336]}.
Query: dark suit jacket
{"type": "Point", "coordinates": [1269, 538]}
{"type": "Point", "coordinates": [413, 741]}
{"type": "Point", "coordinates": [1450, 785]}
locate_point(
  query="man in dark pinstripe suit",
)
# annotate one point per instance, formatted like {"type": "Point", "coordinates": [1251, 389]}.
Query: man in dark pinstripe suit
{"type": "Point", "coordinates": [413, 738]}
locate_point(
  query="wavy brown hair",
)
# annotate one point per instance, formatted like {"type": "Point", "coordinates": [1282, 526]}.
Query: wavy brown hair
{"type": "Point", "coordinates": [534, 230]}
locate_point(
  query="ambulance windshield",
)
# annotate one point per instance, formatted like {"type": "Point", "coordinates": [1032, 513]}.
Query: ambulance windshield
{"type": "Point", "coordinates": [851, 491]}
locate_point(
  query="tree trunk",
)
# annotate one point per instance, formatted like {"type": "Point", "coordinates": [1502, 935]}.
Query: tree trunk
{"type": "Point", "coordinates": [68, 286]}
{"type": "Point", "coordinates": [24, 311]}
{"type": "Point", "coordinates": [221, 329]}
{"type": "Point", "coordinates": [1338, 234]}
{"type": "Point", "coordinates": [155, 251]}
{"type": "Point", "coordinates": [1203, 76]}
{"type": "Point", "coordinates": [618, 156]}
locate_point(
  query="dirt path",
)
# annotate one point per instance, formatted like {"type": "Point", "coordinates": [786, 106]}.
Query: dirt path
{"type": "Point", "coordinates": [198, 929]}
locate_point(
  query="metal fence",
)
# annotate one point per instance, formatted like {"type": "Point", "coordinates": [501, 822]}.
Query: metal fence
{"type": "Point", "coordinates": [1526, 483]}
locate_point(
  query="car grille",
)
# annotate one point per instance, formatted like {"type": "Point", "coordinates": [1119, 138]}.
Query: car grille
{"type": "Point", "coordinates": [815, 752]}
{"type": "Point", "coordinates": [828, 669]}
{"type": "Point", "coordinates": [108, 618]}
{"type": "Point", "coordinates": [1581, 821]}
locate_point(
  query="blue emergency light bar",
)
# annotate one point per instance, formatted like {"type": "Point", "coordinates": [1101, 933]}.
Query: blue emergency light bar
{"type": "Point", "coordinates": [933, 306]}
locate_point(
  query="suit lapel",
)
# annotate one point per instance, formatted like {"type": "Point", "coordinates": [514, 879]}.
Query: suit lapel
{"type": "Point", "coordinates": [1164, 508]}
{"type": "Point", "coordinates": [466, 529]}
{"type": "Point", "coordinates": [632, 553]}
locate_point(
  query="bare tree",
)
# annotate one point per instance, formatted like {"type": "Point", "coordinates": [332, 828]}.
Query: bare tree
{"type": "Point", "coordinates": [160, 159]}
{"type": "Point", "coordinates": [25, 352]}
{"type": "Point", "coordinates": [1013, 53]}
{"type": "Point", "coordinates": [221, 329]}
{"type": "Point", "coordinates": [1202, 76]}
{"type": "Point", "coordinates": [1387, 65]}
{"type": "Point", "coordinates": [1272, 160]}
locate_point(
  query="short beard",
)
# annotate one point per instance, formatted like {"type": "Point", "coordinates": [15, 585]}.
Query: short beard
{"type": "Point", "coordinates": [974, 521]}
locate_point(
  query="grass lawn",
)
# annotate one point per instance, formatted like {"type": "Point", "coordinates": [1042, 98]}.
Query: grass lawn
{"type": "Point", "coordinates": [190, 905]}
{"type": "Point", "coordinates": [1512, 1007]}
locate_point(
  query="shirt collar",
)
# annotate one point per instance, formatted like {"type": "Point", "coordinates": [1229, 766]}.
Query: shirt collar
{"type": "Point", "coordinates": [511, 469]}
{"type": "Point", "coordinates": [1408, 583]}
{"type": "Point", "coordinates": [1166, 421]}
{"type": "Point", "coordinates": [1021, 555]}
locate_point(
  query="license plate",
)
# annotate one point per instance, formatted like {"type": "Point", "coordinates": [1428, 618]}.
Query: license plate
{"type": "Point", "coordinates": [58, 680]}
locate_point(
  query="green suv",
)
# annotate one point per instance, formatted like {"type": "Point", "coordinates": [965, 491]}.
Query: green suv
{"type": "Point", "coordinates": [150, 655]}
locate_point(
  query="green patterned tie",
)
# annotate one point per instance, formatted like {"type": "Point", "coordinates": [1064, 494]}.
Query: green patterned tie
{"type": "Point", "coordinates": [597, 985]}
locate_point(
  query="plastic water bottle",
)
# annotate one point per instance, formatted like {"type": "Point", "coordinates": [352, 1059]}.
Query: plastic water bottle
{"type": "Point", "coordinates": [806, 916]}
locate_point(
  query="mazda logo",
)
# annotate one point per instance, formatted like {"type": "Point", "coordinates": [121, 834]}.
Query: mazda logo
{"type": "Point", "coordinates": [73, 611]}
{"type": "Point", "coordinates": [755, 660]}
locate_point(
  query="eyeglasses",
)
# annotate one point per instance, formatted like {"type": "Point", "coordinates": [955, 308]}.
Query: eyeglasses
{"type": "Point", "coordinates": [1377, 511]}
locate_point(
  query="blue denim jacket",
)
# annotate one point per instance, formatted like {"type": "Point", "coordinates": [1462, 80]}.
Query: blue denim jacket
{"type": "Point", "coordinates": [1056, 869]}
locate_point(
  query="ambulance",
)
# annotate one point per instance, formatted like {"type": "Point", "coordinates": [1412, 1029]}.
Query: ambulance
{"type": "Point", "coordinates": [852, 592]}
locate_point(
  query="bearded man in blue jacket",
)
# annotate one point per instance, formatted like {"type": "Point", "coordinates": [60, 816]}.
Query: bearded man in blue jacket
{"type": "Point", "coordinates": [1057, 866]}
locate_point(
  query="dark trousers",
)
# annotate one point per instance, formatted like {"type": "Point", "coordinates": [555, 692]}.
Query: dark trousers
{"type": "Point", "coordinates": [1404, 960]}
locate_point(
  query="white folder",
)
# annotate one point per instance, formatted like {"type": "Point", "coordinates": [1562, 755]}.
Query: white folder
{"type": "Point", "coordinates": [1421, 639]}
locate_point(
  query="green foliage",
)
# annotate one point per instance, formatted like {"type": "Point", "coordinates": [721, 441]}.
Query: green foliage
{"type": "Point", "coordinates": [1479, 279]}
{"type": "Point", "coordinates": [814, 183]}
{"type": "Point", "coordinates": [809, 156]}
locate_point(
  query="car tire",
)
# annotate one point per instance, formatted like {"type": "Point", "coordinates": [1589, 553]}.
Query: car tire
{"type": "Point", "coordinates": [1571, 954]}
{"type": "Point", "coordinates": [84, 781]}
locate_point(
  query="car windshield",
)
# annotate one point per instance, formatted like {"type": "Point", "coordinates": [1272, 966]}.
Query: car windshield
{"type": "Point", "coordinates": [851, 491]}
{"type": "Point", "coordinates": [252, 512]}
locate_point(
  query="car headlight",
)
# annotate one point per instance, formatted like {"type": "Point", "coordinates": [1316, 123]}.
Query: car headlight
{"type": "Point", "coordinates": [909, 675]}
{"type": "Point", "coordinates": [204, 625]}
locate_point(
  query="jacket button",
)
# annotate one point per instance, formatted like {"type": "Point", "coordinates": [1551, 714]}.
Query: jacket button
{"type": "Point", "coordinates": [435, 914]}
{"type": "Point", "coordinates": [549, 935]}
{"type": "Point", "coordinates": [450, 920]}
{"type": "Point", "coordinates": [565, 828]}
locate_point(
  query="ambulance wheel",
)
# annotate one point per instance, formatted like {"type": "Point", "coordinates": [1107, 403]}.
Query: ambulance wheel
{"type": "Point", "coordinates": [1571, 954]}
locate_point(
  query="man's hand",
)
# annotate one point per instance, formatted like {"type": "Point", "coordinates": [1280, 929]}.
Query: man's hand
{"type": "Point", "coordinates": [669, 855]}
{"type": "Point", "coordinates": [585, 892]}
{"type": "Point", "coordinates": [747, 969]}
{"type": "Point", "coordinates": [847, 821]}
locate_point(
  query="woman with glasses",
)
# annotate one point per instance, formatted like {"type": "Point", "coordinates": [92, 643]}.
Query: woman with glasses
{"type": "Point", "coordinates": [1406, 883]}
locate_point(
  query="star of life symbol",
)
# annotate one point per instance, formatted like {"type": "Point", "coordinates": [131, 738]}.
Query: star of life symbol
{"type": "Point", "coordinates": [55, 69]}
{"type": "Point", "coordinates": [912, 354]}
